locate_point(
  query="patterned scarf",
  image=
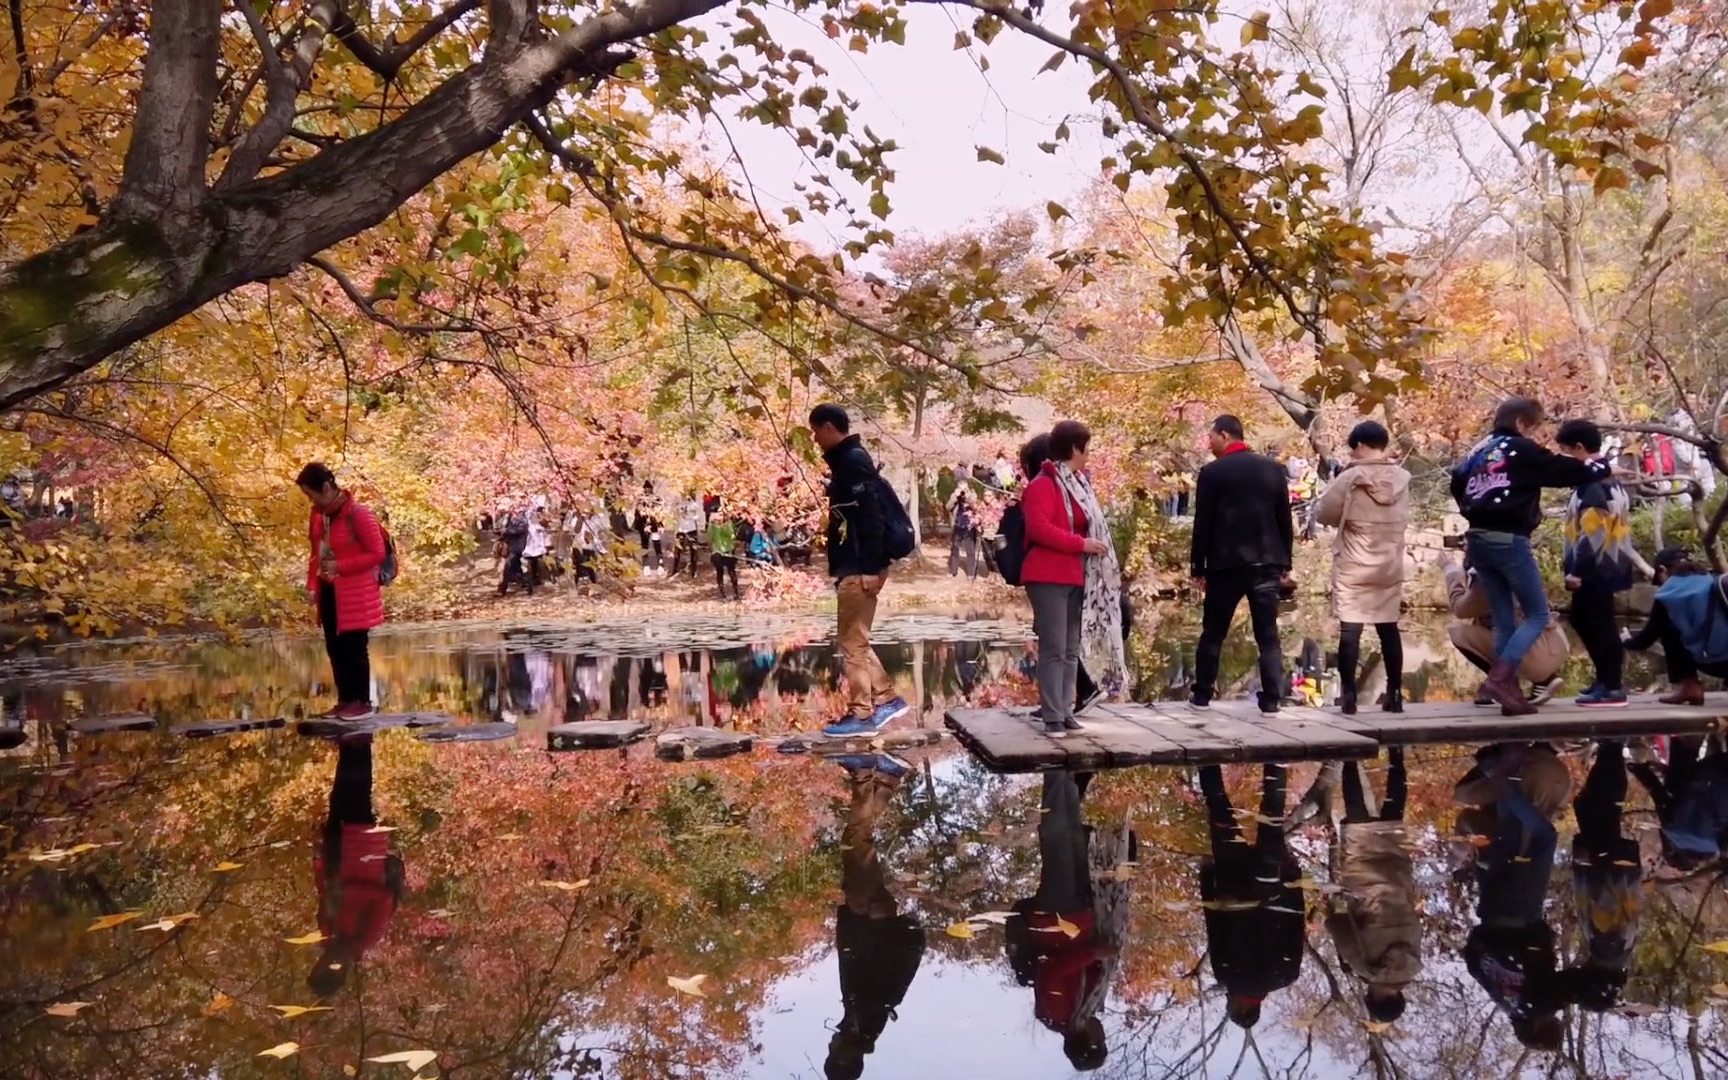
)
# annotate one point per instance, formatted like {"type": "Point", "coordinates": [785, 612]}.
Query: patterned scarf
{"type": "Point", "coordinates": [1101, 616]}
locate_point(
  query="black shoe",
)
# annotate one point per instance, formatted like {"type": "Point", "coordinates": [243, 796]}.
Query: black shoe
{"type": "Point", "coordinates": [1485, 700]}
{"type": "Point", "coordinates": [1055, 729]}
{"type": "Point", "coordinates": [1393, 701]}
{"type": "Point", "coordinates": [1347, 703]}
{"type": "Point", "coordinates": [1200, 699]}
{"type": "Point", "coordinates": [1072, 724]}
{"type": "Point", "coordinates": [1268, 704]}
{"type": "Point", "coordinates": [1088, 701]}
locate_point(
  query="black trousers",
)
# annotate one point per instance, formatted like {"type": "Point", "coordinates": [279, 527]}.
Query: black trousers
{"type": "Point", "coordinates": [350, 662]}
{"type": "Point", "coordinates": [726, 566]}
{"type": "Point", "coordinates": [1350, 655]}
{"type": "Point", "coordinates": [1592, 617]}
{"type": "Point", "coordinates": [1397, 791]}
{"type": "Point", "coordinates": [1225, 591]}
{"type": "Point", "coordinates": [586, 559]}
{"type": "Point", "coordinates": [684, 553]}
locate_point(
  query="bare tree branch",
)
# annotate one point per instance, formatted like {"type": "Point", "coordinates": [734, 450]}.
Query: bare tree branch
{"type": "Point", "coordinates": [368, 306]}
{"type": "Point", "coordinates": [387, 61]}
{"type": "Point", "coordinates": [170, 139]}
{"type": "Point", "coordinates": [283, 83]}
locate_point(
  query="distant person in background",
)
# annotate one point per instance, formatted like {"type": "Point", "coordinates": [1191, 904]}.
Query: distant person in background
{"type": "Point", "coordinates": [534, 548]}
{"type": "Point", "coordinates": [650, 530]}
{"type": "Point", "coordinates": [1242, 540]}
{"type": "Point", "coordinates": [360, 878]}
{"type": "Point", "coordinates": [1472, 633]}
{"type": "Point", "coordinates": [342, 579]}
{"type": "Point", "coordinates": [690, 523]}
{"type": "Point", "coordinates": [1598, 564]}
{"type": "Point", "coordinates": [1369, 505]}
{"type": "Point", "coordinates": [1689, 619]}
{"type": "Point", "coordinates": [723, 545]}
{"type": "Point", "coordinates": [1498, 488]}
{"type": "Point", "coordinates": [963, 536]}
{"type": "Point", "coordinates": [513, 535]}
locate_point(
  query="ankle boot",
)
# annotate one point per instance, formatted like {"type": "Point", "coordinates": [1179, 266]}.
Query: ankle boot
{"type": "Point", "coordinates": [1393, 701]}
{"type": "Point", "coordinates": [1347, 702]}
{"type": "Point", "coordinates": [1502, 686]}
{"type": "Point", "coordinates": [1686, 692]}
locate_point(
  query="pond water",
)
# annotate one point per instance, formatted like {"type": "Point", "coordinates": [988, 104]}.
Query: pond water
{"type": "Point", "coordinates": [177, 907]}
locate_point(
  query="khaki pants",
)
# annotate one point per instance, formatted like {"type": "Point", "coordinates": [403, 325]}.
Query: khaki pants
{"type": "Point", "coordinates": [867, 681]}
{"type": "Point", "coordinates": [1540, 664]}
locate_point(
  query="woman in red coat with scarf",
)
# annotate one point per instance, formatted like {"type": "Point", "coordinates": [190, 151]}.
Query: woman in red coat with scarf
{"type": "Point", "coordinates": [342, 577]}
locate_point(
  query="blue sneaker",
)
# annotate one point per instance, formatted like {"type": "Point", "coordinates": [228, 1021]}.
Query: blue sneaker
{"type": "Point", "coordinates": [890, 711]}
{"type": "Point", "coordinates": [1598, 698]}
{"type": "Point", "coordinates": [853, 725]}
{"type": "Point", "coordinates": [885, 764]}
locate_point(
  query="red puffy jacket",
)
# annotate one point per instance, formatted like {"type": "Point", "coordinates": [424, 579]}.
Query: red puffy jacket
{"type": "Point", "coordinates": [358, 544]}
{"type": "Point", "coordinates": [1055, 549]}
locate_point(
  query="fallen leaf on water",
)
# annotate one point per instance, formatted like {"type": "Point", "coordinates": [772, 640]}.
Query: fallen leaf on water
{"type": "Point", "coordinates": [510, 836]}
{"type": "Point", "coordinates": [1376, 1027]}
{"type": "Point", "coordinates": [1178, 905]}
{"type": "Point", "coordinates": [60, 854]}
{"type": "Point", "coordinates": [1716, 946]}
{"type": "Point", "coordinates": [440, 913]}
{"type": "Point", "coordinates": [278, 844]}
{"type": "Point", "coordinates": [1307, 884]}
{"type": "Point", "coordinates": [1229, 905]}
{"type": "Point", "coordinates": [961, 930]}
{"type": "Point", "coordinates": [691, 986]}
{"type": "Point", "coordinates": [67, 1008]}
{"type": "Point", "coordinates": [109, 922]}
{"type": "Point", "coordinates": [306, 939]}
{"type": "Point", "coordinates": [994, 918]}
{"type": "Point", "coordinates": [225, 867]}
{"type": "Point", "coordinates": [379, 829]}
{"type": "Point", "coordinates": [1124, 872]}
{"type": "Point", "coordinates": [349, 1070]}
{"type": "Point", "coordinates": [373, 858]}
{"type": "Point", "coordinates": [1067, 927]}
{"type": "Point", "coordinates": [218, 1003]}
{"type": "Point", "coordinates": [170, 922]}
{"type": "Point", "coordinates": [280, 1050]}
{"type": "Point", "coordinates": [414, 1059]}
{"type": "Point", "coordinates": [566, 886]}
{"type": "Point", "coordinates": [289, 1012]}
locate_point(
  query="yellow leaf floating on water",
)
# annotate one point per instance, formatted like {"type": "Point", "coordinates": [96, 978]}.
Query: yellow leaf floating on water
{"type": "Point", "coordinates": [225, 867]}
{"type": "Point", "coordinates": [218, 1003]}
{"type": "Point", "coordinates": [994, 918]}
{"type": "Point", "coordinates": [289, 1012]}
{"type": "Point", "coordinates": [67, 1008]}
{"type": "Point", "coordinates": [414, 1059]}
{"type": "Point", "coordinates": [382, 828]}
{"type": "Point", "coordinates": [170, 922]}
{"type": "Point", "coordinates": [306, 939]}
{"type": "Point", "coordinates": [566, 886]}
{"type": "Point", "coordinates": [1067, 927]}
{"type": "Point", "coordinates": [510, 836]}
{"type": "Point", "coordinates": [961, 930]}
{"type": "Point", "coordinates": [109, 922]}
{"type": "Point", "coordinates": [280, 1050]}
{"type": "Point", "coordinates": [61, 854]}
{"type": "Point", "coordinates": [1376, 1027]}
{"type": "Point", "coordinates": [1716, 946]}
{"type": "Point", "coordinates": [691, 986]}
{"type": "Point", "coordinates": [349, 1070]}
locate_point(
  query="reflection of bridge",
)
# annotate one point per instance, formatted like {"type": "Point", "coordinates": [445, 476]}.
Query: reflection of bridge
{"type": "Point", "coordinates": [1170, 733]}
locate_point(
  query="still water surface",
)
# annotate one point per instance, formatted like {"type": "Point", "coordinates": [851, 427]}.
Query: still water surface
{"type": "Point", "coordinates": [524, 914]}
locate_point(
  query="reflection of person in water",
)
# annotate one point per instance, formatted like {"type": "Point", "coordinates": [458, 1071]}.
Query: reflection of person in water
{"type": "Point", "coordinates": [1055, 940]}
{"type": "Point", "coordinates": [1253, 905]}
{"type": "Point", "coordinates": [879, 948]}
{"type": "Point", "coordinates": [1691, 797]}
{"type": "Point", "coordinates": [1511, 950]}
{"type": "Point", "coordinates": [359, 878]}
{"type": "Point", "coordinates": [1607, 883]}
{"type": "Point", "coordinates": [1376, 929]}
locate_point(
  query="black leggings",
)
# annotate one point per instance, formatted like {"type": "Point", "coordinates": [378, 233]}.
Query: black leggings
{"type": "Point", "coordinates": [726, 566]}
{"type": "Point", "coordinates": [1356, 799]}
{"type": "Point", "coordinates": [1593, 619]}
{"type": "Point", "coordinates": [1350, 655]}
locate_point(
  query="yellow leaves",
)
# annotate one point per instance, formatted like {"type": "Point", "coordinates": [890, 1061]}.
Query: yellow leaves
{"type": "Point", "coordinates": [312, 938]}
{"type": "Point", "coordinates": [170, 922]}
{"type": "Point", "coordinates": [382, 829]}
{"type": "Point", "coordinates": [1376, 1027]}
{"type": "Point", "coordinates": [565, 886]}
{"type": "Point", "coordinates": [1257, 28]}
{"type": "Point", "coordinates": [109, 922]}
{"type": "Point", "coordinates": [1067, 929]}
{"type": "Point", "coordinates": [219, 1004]}
{"type": "Point", "coordinates": [281, 1050]}
{"type": "Point", "coordinates": [961, 930]}
{"type": "Point", "coordinates": [66, 1008]}
{"type": "Point", "coordinates": [55, 855]}
{"type": "Point", "coordinates": [691, 986]}
{"type": "Point", "coordinates": [289, 1012]}
{"type": "Point", "coordinates": [414, 1059]}
{"type": "Point", "coordinates": [1716, 947]}
{"type": "Point", "coordinates": [225, 867]}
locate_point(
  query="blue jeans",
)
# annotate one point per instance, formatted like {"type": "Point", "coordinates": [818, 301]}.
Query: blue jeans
{"type": "Point", "coordinates": [1508, 572]}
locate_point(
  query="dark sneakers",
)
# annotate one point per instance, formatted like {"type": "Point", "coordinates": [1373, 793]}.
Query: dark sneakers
{"type": "Point", "coordinates": [1200, 699]}
{"type": "Point", "coordinates": [1268, 704]}
{"type": "Point", "coordinates": [1600, 698]}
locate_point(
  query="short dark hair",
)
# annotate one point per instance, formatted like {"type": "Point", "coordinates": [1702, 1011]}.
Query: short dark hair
{"type": "Point", "coordinates": [1067, 437]}
{"type": "Point", "coordinates": [1672, 558]}
{"type": "Point", "coordinates": [1384, 1010]}
{"type": "Point", "coordinates": [315, 476]}
{"type": "Point", "coordinates": [1580, 432]}
{"type": "Point", "coordinates": [1228, 425]}
{"type": "Point", "coordinates": [1516, 410]}
{"type": "Point", "coordinates": [832, 415]}
{"type": "Point", "coordinates": [1369, 433]}
{"type": "Point", "coordinates": [1034, 454]}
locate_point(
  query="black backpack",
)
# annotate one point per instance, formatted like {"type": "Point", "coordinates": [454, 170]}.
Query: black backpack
{"type": "Point", "coordinates": [898, 537]}
{"type": "Point", "coordinates": [1010, 544]}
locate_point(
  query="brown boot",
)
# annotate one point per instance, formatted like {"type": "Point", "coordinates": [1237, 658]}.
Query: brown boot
{"type": "Point", "coordinates": [1502, 686]}
{"type": "Point", "coordinates": [1688, 692]}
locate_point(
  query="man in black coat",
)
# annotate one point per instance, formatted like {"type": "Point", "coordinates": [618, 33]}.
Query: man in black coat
{"type": "Point", "coordinates": [858, 562]}
{"type": "Point", "coordinates": [1243, 534]}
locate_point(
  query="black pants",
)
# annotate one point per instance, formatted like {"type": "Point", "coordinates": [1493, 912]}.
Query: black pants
{"type": "Point", "coordinates": [726, 566]}
{"type": "Point", "coordinates": [1225, 831]}
{"type": "Point", "coordinates": [534, 573]}
{"type": "Point", "coordinates": [1592, 617]}
{"type": "Point", "coordinates": [350, 662]}
{"type": "Point", "coordinates": [513, 570]}
{"type": "Point", "coordinates": [1356, 799]}
{"type": "Point", "coordinates": [585, 562]}
{"type": "Point", "coordinates": [1225, 591]}
{"type": "Point", "coordinates": [684, 553]}
{"type": "Point", "coordinates": [963, 552]}
{"type": "Point", "coordinates": [1599, 802]}
{"type": "Point", "coordinates": [1350, 655]}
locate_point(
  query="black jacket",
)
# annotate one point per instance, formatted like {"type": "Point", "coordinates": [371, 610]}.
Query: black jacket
{"type": "Point", "coordinates": [1242, 515]}
{"type": "Point", "coordinates": [855, 522]}
{"type": "Point", "coordinates": [1498, 486]}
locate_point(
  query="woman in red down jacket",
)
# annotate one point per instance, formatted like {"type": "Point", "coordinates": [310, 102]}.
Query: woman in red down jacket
{"type": "Point", "coordinates": [1054, 575]}
{"type": "Point", "coordinates": [342, 576]}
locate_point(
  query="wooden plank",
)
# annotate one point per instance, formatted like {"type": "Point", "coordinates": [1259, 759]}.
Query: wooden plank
{"type": "Point", "coordinates": [1007, 742]}
{"type": "Point", "coordinates": [595, 734]}
{"type": "Point", "coordinates": [203, 729]}
{"type": "Point", "coordinates": [320, 727]}
{"type": "Point", "coordinates": [893, 739]}
{"type": "Point", "coordinates": [1185, 728]}
{"type": "Point", "coordinates": [488, 732]}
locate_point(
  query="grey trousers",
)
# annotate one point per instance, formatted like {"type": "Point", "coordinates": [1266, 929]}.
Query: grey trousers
{"type": "Point", "coordinates": [1056, 622]}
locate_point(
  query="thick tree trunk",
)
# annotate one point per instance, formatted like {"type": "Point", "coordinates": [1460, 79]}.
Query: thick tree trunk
{"type": "Point", "coordinates": [163, 253]}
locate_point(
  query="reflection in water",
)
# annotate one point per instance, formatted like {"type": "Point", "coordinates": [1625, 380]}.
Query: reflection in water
{"type": "Point", "coordinates": [1607, 881]}
{"type": "Point", "coordinates": [359, 876]}
{"type": "Point", "coordinates": [1376, 930]}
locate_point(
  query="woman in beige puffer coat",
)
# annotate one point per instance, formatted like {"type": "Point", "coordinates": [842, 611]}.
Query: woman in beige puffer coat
{"type": "Point", "coordinates": [1369, 504]}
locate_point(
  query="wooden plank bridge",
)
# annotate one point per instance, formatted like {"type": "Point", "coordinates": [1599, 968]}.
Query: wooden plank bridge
{"type": "Point", "coordinates": [1176, 733]}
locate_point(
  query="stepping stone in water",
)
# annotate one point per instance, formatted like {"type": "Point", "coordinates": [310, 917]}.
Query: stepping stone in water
{"type": "Point", "coordinates": [683, 744]}
{"type": "Point", "coordinates": [102, 725]}
{"type": "Point", "coordinates": [817, 743]}
{"type": "Point", "coordinates": [324, 728]}
{"type": "Point", "coordinates": [595, 734]}
{"type": "Point", "coordinates": [206, 728]}
{"type": "Point", "coordinates": [469, 733]}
